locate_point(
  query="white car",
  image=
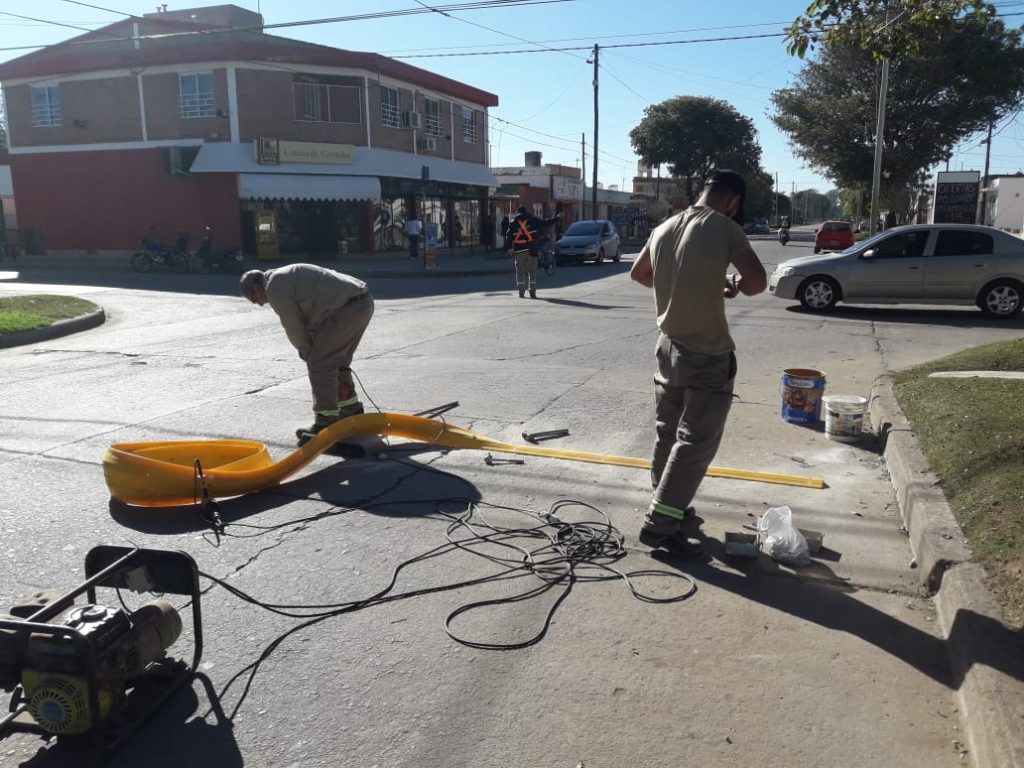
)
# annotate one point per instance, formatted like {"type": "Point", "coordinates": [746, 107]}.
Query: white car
{"type": "Point", "coordinates": [918, 264]}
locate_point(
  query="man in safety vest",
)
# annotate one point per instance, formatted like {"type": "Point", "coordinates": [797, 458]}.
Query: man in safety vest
{"type": "Point", "coordinates": [524, 236]}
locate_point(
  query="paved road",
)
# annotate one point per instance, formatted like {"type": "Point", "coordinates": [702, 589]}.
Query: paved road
{"type": "Point", "coordinates": [837, 664]}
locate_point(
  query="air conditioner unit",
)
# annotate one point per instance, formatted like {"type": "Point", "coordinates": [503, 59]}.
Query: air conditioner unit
{"type": "Point", "coordinates": [413, 120]}
{"type": "Point", "coordinates": [429, 145]}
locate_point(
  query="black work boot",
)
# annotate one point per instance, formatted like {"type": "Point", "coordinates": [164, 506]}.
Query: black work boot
{"type": "Point", "coordinates": [533, 293]}
{"type": "Point", "coordinates": [670, 533]}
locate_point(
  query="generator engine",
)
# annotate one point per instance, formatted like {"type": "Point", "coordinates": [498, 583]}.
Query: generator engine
{"type": "Point", "coordinates": [74, 669]}
{"type": "Point", "coordinates": [52, 670]}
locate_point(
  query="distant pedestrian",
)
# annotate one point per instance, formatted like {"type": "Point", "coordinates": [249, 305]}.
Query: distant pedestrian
{"type": "Point", "coordinates": [413, 231]}
{"type": "Point", "coordinates": [504, 232]}
{"type": "Point", "coordinates": [458, 231]}
{"type": "Point", "coordinates": [488, 232]}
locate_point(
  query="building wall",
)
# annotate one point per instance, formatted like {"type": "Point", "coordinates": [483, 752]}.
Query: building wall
{"type": "Point", "coordinates": [106, 108]}
{"type": "Point", "coordinates": [107, 200]}
{"type": "Point", "coordinates": [266, 107]}
{"type": "Point", "coordinates": [163, 115]}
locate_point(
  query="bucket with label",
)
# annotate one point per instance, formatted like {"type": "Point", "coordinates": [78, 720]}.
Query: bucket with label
{"type": "Point", "coordinates": [802, 389]}
{"type": "Point", "coordinates": [844, 417]}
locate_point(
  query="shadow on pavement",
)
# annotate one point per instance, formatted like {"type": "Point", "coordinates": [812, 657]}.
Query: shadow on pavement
{"type": "Point", "coordinates": [393, 485]}
{"type": "Point", "coordinates": [815, 594]}
{"type": "Point", "coordinates": [963, 317]}
{"type": "Point", "coordinates": [176, 735]}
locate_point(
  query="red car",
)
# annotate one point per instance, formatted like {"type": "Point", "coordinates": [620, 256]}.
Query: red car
{"type": "Point", "coordinates": [833, 236]}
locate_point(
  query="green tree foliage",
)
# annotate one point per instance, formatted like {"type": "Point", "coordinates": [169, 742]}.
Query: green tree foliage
{"type": "Point", "coordinates": [886, 28]}
{"type": "Point", "coordinates": [693, 135]}
{"type": "Point", "coordinates": [951, 89]}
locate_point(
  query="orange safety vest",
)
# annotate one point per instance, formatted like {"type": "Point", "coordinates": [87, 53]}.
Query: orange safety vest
{"type": "Point", "coordinates": [524, 236]}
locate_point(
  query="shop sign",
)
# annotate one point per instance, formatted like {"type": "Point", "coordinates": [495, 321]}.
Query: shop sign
{"type": "Point", "coordinates": [267, 152]}
{"type": "Point", "coordinates": [564, 188]}
{"type": "Point", "coordinates": [271, 151]}
{"type": "Point", "coordinates": [956, 197]}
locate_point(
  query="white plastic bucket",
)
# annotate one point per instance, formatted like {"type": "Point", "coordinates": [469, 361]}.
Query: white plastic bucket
{"type": "Point", "coordinates": [844, 417]}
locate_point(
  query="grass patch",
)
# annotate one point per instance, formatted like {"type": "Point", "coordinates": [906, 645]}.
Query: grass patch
{"type": "Point", "coordinates": [23, 313]}
{"type": "Point", "coordinates": [972, 431]}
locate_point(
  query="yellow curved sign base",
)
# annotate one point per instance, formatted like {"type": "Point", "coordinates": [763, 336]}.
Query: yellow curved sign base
{"type": "Point", "coordinates": [162, 474]}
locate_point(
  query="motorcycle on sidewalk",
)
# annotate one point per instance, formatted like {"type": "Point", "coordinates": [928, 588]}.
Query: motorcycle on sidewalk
{"type": "Point", "coordinates": [155, 253]}
{"type": "Point", "coordinates": [225, 260]}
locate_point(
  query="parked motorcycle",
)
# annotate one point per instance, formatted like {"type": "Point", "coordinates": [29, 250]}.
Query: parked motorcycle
{"type": "Point", "coordinates": [155, 253]}
{"type": "Point", "coordinates": [206, 260]}
{"type": "Point", "coordinates": [783, 235]}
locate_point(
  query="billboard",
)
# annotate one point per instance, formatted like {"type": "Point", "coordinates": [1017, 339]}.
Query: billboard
{"type": "Point", "coordinates": [956, 197]}
{"type": "Point", "coordinates": [565, 188]}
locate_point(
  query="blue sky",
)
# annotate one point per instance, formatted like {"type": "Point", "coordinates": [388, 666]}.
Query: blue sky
{"type": "Point", "coordinates": [547, 96]}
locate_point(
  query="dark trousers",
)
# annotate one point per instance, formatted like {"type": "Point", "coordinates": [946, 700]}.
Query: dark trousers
{"type": "Point", "coordinates": [693, 394]}
{"type": "Point", "coordinates": [414, 246]}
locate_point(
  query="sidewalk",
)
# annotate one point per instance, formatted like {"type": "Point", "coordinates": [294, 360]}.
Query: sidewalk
{"type": "Point", "coordinates": [455, 262]}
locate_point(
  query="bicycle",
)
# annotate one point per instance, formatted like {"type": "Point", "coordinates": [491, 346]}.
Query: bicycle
{"type": "Point", "coordinates": [546, 258]}
{"type": "Point", "coordinates": [154, 252]}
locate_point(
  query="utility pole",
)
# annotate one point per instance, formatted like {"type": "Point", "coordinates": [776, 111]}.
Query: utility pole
{"type": "Point", "coordinates": [775, 197]}
{"type": "Point", "coordinates": [593, 190]}
{"type": "Point", "coordinates": [984, 183]}
{"type": "Point", "coordinates": [583, 176]}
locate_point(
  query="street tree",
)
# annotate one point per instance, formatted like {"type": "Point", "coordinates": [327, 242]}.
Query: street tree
{"type": "Point", "coordinates": [884, 28]}
{"type": "Point", "coordinates": [955, 86]}
{"type": "Point", "coordinates": [694, 135]}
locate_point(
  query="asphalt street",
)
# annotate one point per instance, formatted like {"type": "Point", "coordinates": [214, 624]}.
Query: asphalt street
{"type": "Point", "coordinates": [835, 664]}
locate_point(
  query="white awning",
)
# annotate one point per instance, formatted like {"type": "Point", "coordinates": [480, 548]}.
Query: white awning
{"type": "Point", "coordinates": [292, 186]}
{"type": "Point", "coordinates": [226, 157]}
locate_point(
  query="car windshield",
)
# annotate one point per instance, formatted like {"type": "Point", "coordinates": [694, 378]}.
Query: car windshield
{"type": "Point", "coordinates": [865, 244]}
{"type": "Point", "coordinates": [584, 228]}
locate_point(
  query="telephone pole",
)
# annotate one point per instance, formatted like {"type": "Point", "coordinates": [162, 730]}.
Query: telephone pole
{"type": "Point", "coordinates": [984, 183]}
{"type": "Point", "coordinates": [593, 190]}
{"type": "Point", "coordinates": [583, 176]}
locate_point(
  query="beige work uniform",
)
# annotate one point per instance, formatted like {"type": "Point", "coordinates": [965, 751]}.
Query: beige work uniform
{"type": "Point", "coordinates": [690, 255]}
{"type": "Point", "coordinates": [324, 314]}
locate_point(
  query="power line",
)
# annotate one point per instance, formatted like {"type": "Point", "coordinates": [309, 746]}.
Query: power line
{"type": "Point", "coordinates": [98, 8]}
{"type": "Point", "coordinates": [625, 85]}
{"type": "Point", "coordinates": [43, 21]}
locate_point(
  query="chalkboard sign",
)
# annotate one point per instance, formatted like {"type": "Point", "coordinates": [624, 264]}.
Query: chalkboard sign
{"type": "Point", "coordinates": [956, 200]}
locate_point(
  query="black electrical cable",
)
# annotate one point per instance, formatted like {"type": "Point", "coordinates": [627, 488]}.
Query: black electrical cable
{"type": "Point", "coordinates": [560, 553]}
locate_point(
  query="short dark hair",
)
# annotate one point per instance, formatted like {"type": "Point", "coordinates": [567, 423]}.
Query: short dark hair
{"type": "Point", "coordinates": [249, 280]}
{"type": "Point", "coordinates": [522, 209]}
{"type": "Point", "coordinates": [725, 183]}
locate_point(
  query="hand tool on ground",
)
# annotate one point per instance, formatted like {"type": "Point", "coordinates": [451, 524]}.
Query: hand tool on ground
{"type": "Point", "coordinates": [551, 434]}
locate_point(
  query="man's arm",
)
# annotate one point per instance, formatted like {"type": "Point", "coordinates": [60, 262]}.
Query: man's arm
{"type": "Point", "coordinates": [643, 270]}
{"type": "Point", "coordinates": [752, 279]}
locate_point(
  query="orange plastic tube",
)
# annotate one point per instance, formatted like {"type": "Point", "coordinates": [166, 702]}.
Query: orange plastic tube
{"type": "Point", "coordinates": [162, 474]}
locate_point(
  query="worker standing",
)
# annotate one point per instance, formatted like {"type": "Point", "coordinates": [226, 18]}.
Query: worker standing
{"type": "Point", "coordinates": [524, 236]}
{"type": "Point", "coordinates": [686, 261]}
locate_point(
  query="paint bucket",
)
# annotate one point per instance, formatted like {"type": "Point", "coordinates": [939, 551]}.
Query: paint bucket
{"type": "Point", "coordinates": [844, 417]}
{"type": "Point", "coordinates": [802, 389]}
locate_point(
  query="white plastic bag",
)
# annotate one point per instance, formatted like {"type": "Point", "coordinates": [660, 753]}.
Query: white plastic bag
{"type": "Point", "coordinates": [782, 540]}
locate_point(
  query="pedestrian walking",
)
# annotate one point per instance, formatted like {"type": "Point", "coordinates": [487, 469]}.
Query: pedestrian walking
{"type": "Point", "coordinates": [413, 231]}
{"type": "Point", "coordinates": [504, 233]}
{"type": "Point", "coordinates": [686, 261]}
{"type": "Point", "coordinates": [324, 314]}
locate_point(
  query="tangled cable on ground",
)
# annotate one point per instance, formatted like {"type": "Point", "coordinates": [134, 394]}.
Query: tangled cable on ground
{"type": "Point", "coordinates": [558, 551]}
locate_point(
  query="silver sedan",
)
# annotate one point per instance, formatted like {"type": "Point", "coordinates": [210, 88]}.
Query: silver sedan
{"type": "Point", "coordinates": [918, 264]}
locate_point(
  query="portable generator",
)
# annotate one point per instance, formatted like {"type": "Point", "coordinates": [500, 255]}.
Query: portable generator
{"type": "Point", "coordinates": [94, 670]}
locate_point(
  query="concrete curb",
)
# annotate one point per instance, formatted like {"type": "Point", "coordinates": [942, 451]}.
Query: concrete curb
{"type": "Point", "coordinates": [58, 329]}
{"type": "Point", "coordinates": [985, 656]}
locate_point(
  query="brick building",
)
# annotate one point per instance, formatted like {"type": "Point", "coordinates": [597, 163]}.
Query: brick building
{"type": "Point", "coordinates": [186, 119]}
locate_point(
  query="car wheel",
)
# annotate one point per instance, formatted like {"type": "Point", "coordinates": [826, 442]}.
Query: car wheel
{"type": "Point", "coordinates": [818, 293]}
{"type": "Point", "coordinates": [1002, 299]}
{"type": "Point", "coordinates": [600, 257]}
{"type": "Point", "coordinates": [618, 255]}
{"type": "Point", "coordinates": [817, 249]}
